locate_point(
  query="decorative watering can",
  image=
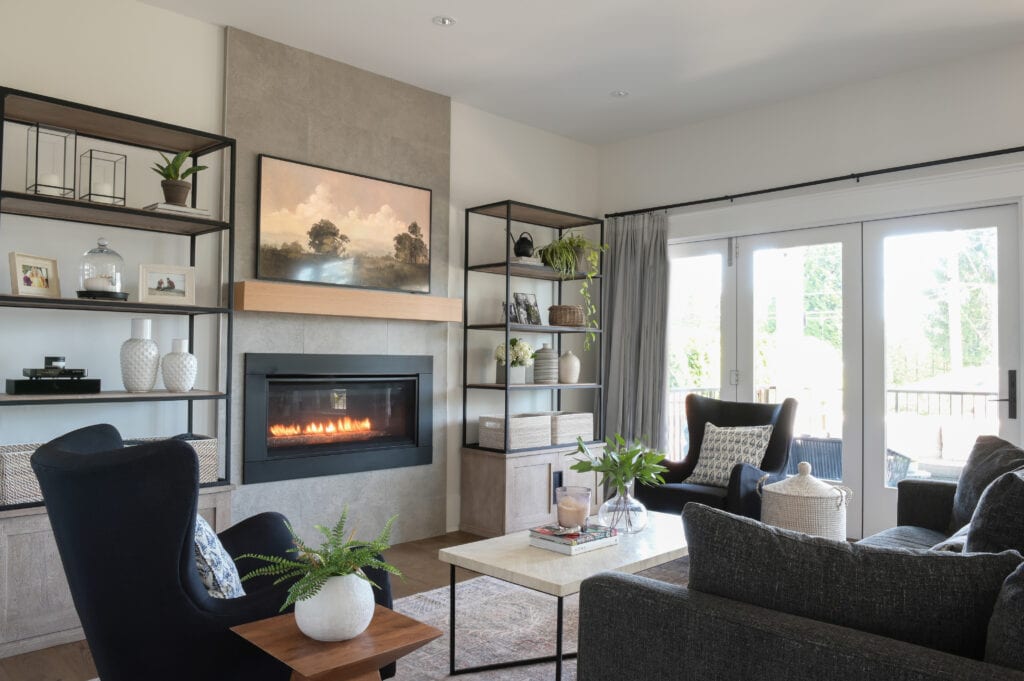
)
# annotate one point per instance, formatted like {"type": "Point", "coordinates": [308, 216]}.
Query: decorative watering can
{"type": "Point", "coordinates": [523, 246]}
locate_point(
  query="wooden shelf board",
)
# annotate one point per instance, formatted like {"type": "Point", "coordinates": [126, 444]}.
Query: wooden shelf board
{"type": "Point", "coordinates": [106, 305]}
{"type": "Point", "coordinates": [534, 386]}
{"type": "Point", "coordinates": [112, 396]}
{"type": "Point", "coordinates": [531, 328]}
{"type": "Point", "coordinates": [338, 301]}
{"type": "Point", "coordinates": [526, 271]}
{"type": "Point", "coordinates": [534, 215]}
{"type": "Point", "coordinates": [56, 208]}
{"type": "Point", "coordinates": [565, 446]}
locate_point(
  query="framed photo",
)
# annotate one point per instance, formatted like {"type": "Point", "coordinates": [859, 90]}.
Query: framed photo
{"type": "Point", "coordinates": [529, 313]}
{"type": "Point", "coordinates": [324, 226]}
{"type": "Point", "coordinates": [512, 311]}
{"type": "Point", "coordinates": [167, 284]}
{"type": "Point", "coordinates": [32, 275]}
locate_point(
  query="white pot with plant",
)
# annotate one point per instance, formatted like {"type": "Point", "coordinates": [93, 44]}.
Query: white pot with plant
{"type": "Point", "coordinates": [333, 597]}
{"type": "Point", "coordinates": [175, 187]}
{"type": "Point", "coordinates": [521, 354]}
{"type": "Point", "coordinates": [621, 465]}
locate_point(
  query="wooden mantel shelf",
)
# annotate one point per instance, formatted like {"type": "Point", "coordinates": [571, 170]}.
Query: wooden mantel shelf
{"type": "Point", "coordinates": [336, 301]}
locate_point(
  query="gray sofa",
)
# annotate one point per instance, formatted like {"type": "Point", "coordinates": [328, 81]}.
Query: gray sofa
{"type": "Point", "coordinates": [772, 604]}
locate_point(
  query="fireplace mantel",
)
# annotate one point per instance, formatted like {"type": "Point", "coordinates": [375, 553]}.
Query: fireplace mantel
{"type": "Point", "coordinates": [336, 301]}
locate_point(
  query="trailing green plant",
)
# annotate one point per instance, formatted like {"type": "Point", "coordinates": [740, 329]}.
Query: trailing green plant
{"type": "Point", "coordinates": [336, 557]}
{"type": "Point", "coordinates": [172, 168]}
{"type": "Point", "coordinates": [563, 255]}
{"type": "Point", "coordinates": [621, 462]}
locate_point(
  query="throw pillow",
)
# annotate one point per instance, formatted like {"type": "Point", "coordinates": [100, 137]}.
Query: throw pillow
{"type": "Point", "coordinates": [216, 569]}
{"type": "Point", "coordinates": [938, 600]}
{"type": "Point", "coordinates": [955, 542]}
{"type": "Point", "coordinates": [723, 448]}
{"type": "Point", "coordinates": [998, 521]}
{"type": "Point", "coordinates": [990, 458]}
{"type": "Point", "coordinates": [1006, 628]}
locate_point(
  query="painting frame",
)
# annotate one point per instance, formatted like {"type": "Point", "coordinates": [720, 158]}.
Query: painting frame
{"type": "Point", "coordinates": [375, 233]}
{"type": "Point", "coordinates": [153, 290]}
{"type": "Point", "coordinates": [26, 272]}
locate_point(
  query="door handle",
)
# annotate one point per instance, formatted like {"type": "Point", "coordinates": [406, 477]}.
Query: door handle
{"type": "Point", "coordinates": [1011, 388]}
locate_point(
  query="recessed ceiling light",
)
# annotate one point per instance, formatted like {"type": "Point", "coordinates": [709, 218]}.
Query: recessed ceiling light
{"type": "Point", "coordinates": [618, 93]}
{"type": "Point", "coordinates": [444, 21]}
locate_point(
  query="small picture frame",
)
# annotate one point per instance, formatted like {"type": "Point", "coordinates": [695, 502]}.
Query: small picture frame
{"type": "Point", "coordinates": [513, 313]}
{"type": "Point", "coordinates": [32, 275]}
{"type": "Point", "coordinates": [529, 313]}
{"type": "Point", "coordinates": [167, 284]}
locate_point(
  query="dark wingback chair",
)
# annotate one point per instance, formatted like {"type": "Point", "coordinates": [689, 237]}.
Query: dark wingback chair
{"type": "Point", "coordinates": [741, 496]}
{"type": "Point", "coordinates": [124, 520]}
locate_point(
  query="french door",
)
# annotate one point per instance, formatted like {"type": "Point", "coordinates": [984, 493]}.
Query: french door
{"type": "Point", "coordinates": [892, 335]}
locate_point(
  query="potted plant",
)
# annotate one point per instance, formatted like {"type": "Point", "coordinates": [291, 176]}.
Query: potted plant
{"type": "Point", "coordinates": [333, 597]}
{"type": "Point", "coordinates": [566, 255]}
{"type": "Point", "coordinates": [622, 464]}
{"type": "Point", "coordinates": [175, 187]}
{"type": "Point", "coordinates": [521, 355]}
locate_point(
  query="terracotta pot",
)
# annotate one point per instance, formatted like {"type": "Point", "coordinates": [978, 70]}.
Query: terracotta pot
{"type": "Point", "coordinates": [176, 191]}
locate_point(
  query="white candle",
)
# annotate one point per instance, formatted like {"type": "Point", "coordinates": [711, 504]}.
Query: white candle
{"type": "Point", "coordinates": [572, 512]}
{"type": "Point", "coordinates": [98, 284]}
{"type": "Point", "coordinates": [102, 192]}
{"type": "Point", "coordinates": [53, 182]}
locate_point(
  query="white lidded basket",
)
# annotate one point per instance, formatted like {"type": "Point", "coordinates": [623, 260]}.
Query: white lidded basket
{"type": "Point", "coordinates": [806, 504]}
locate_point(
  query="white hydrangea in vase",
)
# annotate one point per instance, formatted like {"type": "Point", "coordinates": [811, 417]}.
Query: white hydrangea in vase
{"type": "Point", "coordinates": [521, 355]}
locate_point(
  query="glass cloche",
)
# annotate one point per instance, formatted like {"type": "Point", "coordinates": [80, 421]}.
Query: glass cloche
{"type": "Point", "coordinates": [102, 273]}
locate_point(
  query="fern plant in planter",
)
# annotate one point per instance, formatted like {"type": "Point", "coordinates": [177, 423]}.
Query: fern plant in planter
{"type": "Point", "coordinates": [333, 597]}
{"type": "Point", "coordinates": [565, 255]}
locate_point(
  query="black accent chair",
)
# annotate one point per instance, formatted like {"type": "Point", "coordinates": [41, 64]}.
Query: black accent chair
{"type": "Point", "coordinates": [741, 496]}
{"type": "Point", "coordinates": [124, 519]}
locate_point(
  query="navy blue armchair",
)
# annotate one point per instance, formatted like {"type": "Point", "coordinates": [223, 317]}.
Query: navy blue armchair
{"type": "Point", "coordinates": [124, 520]}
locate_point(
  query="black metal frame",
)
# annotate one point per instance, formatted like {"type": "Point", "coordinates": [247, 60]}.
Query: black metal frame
{"type": "Point", "coordinates": [581, 221]}
{"type": "Point", "coordinates": [115, 216]}
{"type": "Point", "coordinates": [557, 658]}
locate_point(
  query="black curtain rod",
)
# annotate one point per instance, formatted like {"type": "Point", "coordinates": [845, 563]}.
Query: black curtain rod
{"type": "Point", "coordinates": [828, 180]}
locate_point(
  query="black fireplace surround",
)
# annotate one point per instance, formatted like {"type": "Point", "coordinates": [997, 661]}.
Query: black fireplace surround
{"type": "Point", "coordinates": [310, 415]}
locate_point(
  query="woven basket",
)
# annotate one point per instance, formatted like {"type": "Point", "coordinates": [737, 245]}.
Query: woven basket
{"type": "Point", "coordinates": [805, 504]}
{"type": "Point", "coordinates": [207, 449]}
{"type": "Point", "coordinates": [566, 426]}
{"type": "Point", "coordinates": [565, 315]}
{"type": "Point", "coordinates": [526, 431]}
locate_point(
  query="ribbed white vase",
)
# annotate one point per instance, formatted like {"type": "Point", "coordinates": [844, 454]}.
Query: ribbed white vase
{"type": "Point", "coordinates": [179, 367]}
{"type": "Point", "coordinates": [140, 358]}
{"type": "Point", "coordinates": [341, 610]}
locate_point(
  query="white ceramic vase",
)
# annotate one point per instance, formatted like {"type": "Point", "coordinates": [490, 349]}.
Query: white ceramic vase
{"type": "Point", "coordinates": [179, 367]}
{"type": "Point", "coordinates": [341, 610]}
{"type": "Point", "coordinates": [568, 368]}
{"type": "Point", "coordinates": [140, 358]}
{"type": "Point", "coordinates": [517, 375]}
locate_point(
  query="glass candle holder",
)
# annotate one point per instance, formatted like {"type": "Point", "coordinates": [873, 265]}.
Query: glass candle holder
{"type": "Point", "coordinates": [573, 504]}
{"type": "Point", "coordinates": [50, 167]}
{"type": "Point", "coordinates": [103, 177]}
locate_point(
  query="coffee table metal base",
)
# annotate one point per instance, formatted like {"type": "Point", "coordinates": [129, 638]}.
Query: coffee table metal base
{"type": "Point", "coordinates": [557, 658]}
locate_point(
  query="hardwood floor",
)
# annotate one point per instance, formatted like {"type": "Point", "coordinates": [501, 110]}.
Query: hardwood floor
{"type": "Point", "coordinates": [416, 559]}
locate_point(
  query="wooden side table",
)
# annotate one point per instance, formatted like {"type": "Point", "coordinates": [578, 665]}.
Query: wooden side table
{"type": "Point", "coordinates": [389, 637]}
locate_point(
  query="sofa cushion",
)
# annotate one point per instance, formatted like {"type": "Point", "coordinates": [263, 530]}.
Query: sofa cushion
{"type": "Point", "coordinates": [990, 458]}
{"type": "Point", "coordinates": [904, 537]}
{"type": "Point", "coordinates": [216, 569]}
{"type": "Point", "coordinates": [998, 521]}
{"type": "Point", "coordinates": [938, 600]}
{"type": "Point", "coordinates": [1006, 627]}
{"type": "Point", "coordinates": [955, 542]}
{"type": "Point", "coordinates": [723, 448]}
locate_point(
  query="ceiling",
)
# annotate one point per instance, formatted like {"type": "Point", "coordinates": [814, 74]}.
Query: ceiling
{"type": "Point", "coordinates": [552, 65]}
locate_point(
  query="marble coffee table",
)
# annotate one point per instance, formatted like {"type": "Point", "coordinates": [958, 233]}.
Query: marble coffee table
{"type": "Point", "coordinates": [512, 559]}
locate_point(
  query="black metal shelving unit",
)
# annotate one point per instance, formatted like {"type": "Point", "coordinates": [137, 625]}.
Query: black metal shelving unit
{"type": "Point", "coordinates": [25, 108]}
{"type": "Point", "coordinates": [509, 212]}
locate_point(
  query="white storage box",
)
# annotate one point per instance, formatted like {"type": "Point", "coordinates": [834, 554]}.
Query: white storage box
{"type": "Point", "coordinates": [566, 426]}
{"type": "Point", "coordinates": [526, 431]}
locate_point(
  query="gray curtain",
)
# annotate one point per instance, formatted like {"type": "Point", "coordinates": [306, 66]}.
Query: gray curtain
{"type": "Point", "coordinates": [636, 323]}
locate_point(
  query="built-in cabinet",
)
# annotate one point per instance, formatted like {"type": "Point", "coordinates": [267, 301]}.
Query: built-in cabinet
{"type": "Point", "coordinates": [35, 605]}
{"type": "Point", "coordinates": [510, 488]}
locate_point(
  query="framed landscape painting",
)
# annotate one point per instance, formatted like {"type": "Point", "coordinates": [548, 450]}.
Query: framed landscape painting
{"type": "Point", "coordinates": [323, 226]}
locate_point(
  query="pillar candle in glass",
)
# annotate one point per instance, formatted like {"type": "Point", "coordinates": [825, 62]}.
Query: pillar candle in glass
{"type": "Point", "coordinates": [573, 504]}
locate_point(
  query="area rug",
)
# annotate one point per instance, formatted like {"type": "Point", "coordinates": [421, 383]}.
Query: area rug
{"type": "Point", "coordinates": [498, 621]}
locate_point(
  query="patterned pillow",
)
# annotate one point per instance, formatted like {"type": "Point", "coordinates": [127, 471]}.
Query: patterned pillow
{"type": "Point", "coordinates": [216, 569]}
{"type": "Point", "coordinates": [723, 448]}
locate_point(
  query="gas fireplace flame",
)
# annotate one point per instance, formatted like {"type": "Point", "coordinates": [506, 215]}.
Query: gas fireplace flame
{"type": "Point", "coordinates": [342, 425]}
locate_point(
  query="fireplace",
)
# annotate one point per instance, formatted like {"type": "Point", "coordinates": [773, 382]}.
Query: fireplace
{"type": "Point", "coordinates": [309, 415]}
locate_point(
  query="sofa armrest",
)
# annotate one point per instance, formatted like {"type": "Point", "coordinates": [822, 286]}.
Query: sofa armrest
{"type": "Point", "coordinates": [674, 632]}
{"type": "Point", "coordinates": [742, 497]}
{"type": "Point", "coordinates": [926, 503]}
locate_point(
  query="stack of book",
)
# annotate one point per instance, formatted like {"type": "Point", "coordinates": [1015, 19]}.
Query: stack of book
{"type": "Point", "coordinates": [554, 538]}
{"type": "Point", "coordinates": [179, 210]}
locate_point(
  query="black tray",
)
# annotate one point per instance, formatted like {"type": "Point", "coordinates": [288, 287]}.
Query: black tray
{"type": "Point", "coordinates": [52, 386]}
{"type": "Point", "coordinates": [103, 295]}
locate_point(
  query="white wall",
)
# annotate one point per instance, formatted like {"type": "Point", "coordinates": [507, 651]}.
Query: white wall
{"type": "Point", "coordinates": [951, 109]}
{"type": "Point", "coordinates": [494, 159]}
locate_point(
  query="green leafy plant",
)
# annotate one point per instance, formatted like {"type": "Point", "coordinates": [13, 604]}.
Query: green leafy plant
{"type": "Point", "coordinates": [336, 557]}
{"type": "Point", "coordinates": [563, 255]}
{"type": "Point", "coordinates": [172, 168]}
{"type": "Point", "coordinates": [620, 463]}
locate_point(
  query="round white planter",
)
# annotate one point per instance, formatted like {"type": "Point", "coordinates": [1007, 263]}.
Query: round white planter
{"type": "Point", "coordinates": [341, 610]}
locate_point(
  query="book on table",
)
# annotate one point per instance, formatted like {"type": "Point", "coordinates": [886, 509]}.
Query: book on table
{"type": "Point", "coordinates": [573, 549]}
{"type": "Point", "coordinates": [558, 534]}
